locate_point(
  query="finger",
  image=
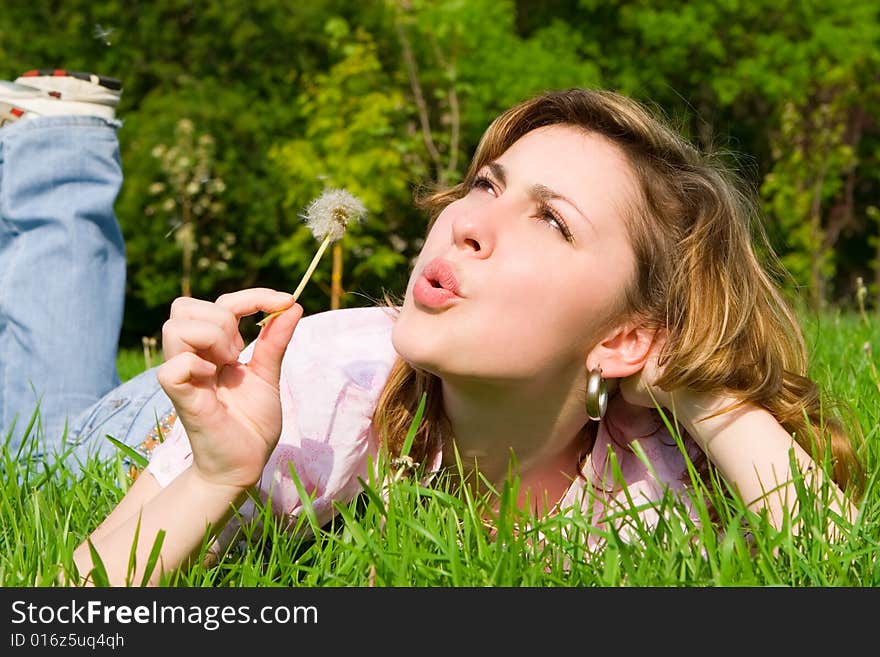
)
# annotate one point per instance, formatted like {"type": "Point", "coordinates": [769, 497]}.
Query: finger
{"type": "Point", "coordinates": [207, 340]}
{"type": "Point", "coordinates": [255, 299]}
{"type": "Point", "coordinates": [209, 311]}
{"type": "Point", "coordinates": [188, 381]}
{"type": "Point", "coordinates": [272, 342]}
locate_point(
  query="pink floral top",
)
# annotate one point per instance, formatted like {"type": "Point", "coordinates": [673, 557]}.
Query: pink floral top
{"type": "Point", "coordinates": [332, 375]}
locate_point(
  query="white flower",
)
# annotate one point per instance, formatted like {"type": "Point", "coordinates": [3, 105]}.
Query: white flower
{"type": "Point", "coordinates": [329, 214]}
{"type": "Point", "coordinates": [327, 217]}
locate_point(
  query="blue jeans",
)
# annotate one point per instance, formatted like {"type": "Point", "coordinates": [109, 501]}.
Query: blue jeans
{"type": "Point", "coordinates": [128, 413]}
{"type": "Point", "coordinates": [62, 287]}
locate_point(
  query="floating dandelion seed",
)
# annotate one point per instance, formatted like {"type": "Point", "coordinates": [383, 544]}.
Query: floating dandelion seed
{"type": "Point", "coordinates": [103, 34]}
{"type": "Point", "coordinates": [327, 217]}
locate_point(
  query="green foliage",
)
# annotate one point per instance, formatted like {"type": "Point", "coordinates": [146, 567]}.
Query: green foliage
{"type": "Point", "coordinates": [807, 173]}
{"type": "Point", "coordinates": [384, 97]}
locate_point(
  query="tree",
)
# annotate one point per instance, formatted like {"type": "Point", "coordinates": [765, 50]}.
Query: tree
{"type": "Point", "coordinates": [352, 139]}
{"type": "Point", "coordinates": [189, 196]}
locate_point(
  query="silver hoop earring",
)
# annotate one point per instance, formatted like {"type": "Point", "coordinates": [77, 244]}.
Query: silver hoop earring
{"type": "Point", "coordinates": [597, 394]}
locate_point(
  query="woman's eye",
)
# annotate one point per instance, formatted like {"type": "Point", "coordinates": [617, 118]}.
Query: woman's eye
{"type": "Point", "coordinates": [481, 182]}
{"type": "Point", "coordinates": [545, 213]}
{"type": "Point", "coordinates": [556, 222]}
{"type": "Point", "coordinates": [551, 219]}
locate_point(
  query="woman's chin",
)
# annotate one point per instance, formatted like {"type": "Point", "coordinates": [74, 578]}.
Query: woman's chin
{"type": "Point", "coordinates": [411, 346]}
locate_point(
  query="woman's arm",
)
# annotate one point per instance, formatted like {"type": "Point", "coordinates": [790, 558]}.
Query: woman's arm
{"type": "Point", "coordinates": [752, 450]}
{"type": "Point", "coordinates": [144, 488]}
{"type": "Point", "coordinates": [231, 412]}
{"type": "Point", "coordinates": [748, 445]}
{"type": "Point", "coordinates": [184, 510]}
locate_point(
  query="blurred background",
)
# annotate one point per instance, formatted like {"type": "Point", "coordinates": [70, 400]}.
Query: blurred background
{"type": "Point", "coordinates": [237, 114]}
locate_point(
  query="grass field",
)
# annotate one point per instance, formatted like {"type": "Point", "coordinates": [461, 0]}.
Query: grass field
{"type": "Point", "coordinates": [413, 535]}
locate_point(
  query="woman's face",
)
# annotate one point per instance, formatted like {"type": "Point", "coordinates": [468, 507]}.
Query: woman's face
{"type": "Point", "coordinates": [541, 257]}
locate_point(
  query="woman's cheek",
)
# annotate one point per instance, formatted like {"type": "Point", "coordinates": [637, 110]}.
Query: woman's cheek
{"type": "Point", "coordinates": [529, 277]}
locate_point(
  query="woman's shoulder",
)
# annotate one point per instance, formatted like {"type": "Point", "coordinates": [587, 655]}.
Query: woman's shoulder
{"type": "Point", "coordinates": [343, 323]}
{"type": "Point", "coordinates": [338, 332]}
{"type": "Point", "coordinates": [343, 334]}
{"type": "Point", "coordinates": [346, 344]}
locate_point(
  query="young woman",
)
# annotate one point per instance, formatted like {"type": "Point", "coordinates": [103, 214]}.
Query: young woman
{"type": "Point", "coordinates": [591, 265]}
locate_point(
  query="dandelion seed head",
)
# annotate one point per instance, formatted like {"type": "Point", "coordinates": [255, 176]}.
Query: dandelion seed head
{"type": "Point", "coordinates": [330, 213]}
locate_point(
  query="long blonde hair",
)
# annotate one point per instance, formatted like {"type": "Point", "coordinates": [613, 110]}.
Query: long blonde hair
{"type": "Point", "coordinates": [694, 230]}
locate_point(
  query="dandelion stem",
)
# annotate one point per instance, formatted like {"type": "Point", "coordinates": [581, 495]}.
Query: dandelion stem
{"type": "Point", "coordinates": [314, 263]}
{"type": "Point", "coordinates": [302, 283]}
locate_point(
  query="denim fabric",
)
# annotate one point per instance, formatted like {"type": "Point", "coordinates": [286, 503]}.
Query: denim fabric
{"type": "Point", "coordinates": [62, 270]}
{"type": "Point", "coordinates": [127, 413]}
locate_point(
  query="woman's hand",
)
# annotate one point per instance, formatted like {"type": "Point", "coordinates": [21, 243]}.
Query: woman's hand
{"type": "Point", "coordinates": [231, 411]}
{"type": "Point", "coordinates": [689, 407]}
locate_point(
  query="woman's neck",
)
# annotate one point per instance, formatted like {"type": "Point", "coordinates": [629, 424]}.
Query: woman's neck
{"type": "Point", "coordinates": [533, 429]}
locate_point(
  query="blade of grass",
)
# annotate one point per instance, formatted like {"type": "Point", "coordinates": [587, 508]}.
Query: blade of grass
{"type": "Point", "coordinates": [136, 457]}
{"type": "Point", "coordinates": [98, 574]}
{"type": "Point", "coordinates": [153, 559]}
{"type": "Point", "coordinates": [414, 427]}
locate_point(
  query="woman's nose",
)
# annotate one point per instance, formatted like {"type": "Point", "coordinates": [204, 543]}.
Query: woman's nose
{"type": "Point", "coordinates": [475, 228]}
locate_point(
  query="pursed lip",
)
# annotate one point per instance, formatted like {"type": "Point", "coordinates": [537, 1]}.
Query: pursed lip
{"type": "Point", "coordinates": [442, 271]}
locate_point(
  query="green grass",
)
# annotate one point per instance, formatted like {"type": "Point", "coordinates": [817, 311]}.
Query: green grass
{"type": "Point", "coordinates": [413, 535]}
{"type": "Point", "coordinates": [131, 361]}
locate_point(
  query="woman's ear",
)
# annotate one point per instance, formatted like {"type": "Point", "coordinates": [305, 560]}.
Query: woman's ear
{"type": "Point", "coordinates": [623, 351]}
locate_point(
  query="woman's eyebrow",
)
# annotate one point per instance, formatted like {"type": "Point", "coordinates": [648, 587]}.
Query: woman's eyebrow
{"type": "Point", "coordinates": [538, 192]}
{"type": "Point", "coordinates": [498, 171]}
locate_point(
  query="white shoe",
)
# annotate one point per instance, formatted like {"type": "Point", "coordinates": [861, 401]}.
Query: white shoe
{"type": "Point", "coordinates": [59, 92]}
{"type": "Point", "coordinates": [10, 113]}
